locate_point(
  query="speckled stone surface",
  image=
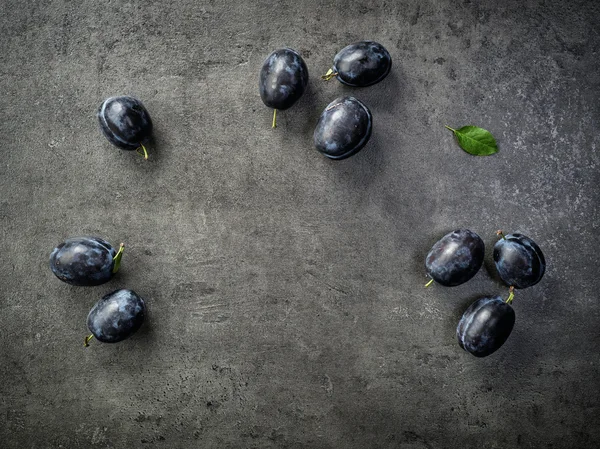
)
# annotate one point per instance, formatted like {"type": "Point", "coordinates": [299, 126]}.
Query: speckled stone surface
{"type": "Point", "coordinates": [285, 296]}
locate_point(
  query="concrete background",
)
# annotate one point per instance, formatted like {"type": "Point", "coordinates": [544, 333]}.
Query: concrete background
{"type": "Point", "coordinates": [285, 291]}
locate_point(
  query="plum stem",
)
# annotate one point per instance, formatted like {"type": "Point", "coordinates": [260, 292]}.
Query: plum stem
{"type": "Point", "coordinates": [451, 129]}
{"type": "Point", "coordinates": [274, 119]}
{"type": "Point", "coordinates": [429, 283]}
{"type": "Point", "coordinates": [511, 295]}
{"type": "Point", "coordinates": [86, 342]}
{"type": "Point", "coordinates": [144, 152]}
{"type": "Point", "coordinates": [117, 258]}
{"type": "Point", "coordinates": [500, 233]}
{"type": "Point", "coordinates": [330, 74]}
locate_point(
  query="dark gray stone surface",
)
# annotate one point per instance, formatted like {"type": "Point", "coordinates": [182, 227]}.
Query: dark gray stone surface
{"type": "Point", "coordinates": [284, 290]}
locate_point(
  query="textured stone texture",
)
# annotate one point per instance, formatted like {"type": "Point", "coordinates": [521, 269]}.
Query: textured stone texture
{"type": "Point", "coordinates": [284, 290]}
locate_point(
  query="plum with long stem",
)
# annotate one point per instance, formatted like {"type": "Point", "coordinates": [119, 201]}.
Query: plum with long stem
{"type": "Point", "coordinates": [282, 81]}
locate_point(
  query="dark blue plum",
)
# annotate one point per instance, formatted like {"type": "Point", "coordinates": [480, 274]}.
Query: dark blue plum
{"type": "Point", "coordinates": [125, 122]}
{"type": "Point", "coordinates": [283, 79]}
{"type": "Point", "coordinates": [455, 258]}
{"type": "Point", "coordinates": [485, 326]}
{"type": "Point", "coordinates": [85, 261]}
{"type": "Point", "coordinates": [519, 261]}
{"type": "Point", "coordinates": [116, 316]}
{"type": "Point", "coordinates": [343, 129]}
{"type": "Point", "coordinates": [361, 64]}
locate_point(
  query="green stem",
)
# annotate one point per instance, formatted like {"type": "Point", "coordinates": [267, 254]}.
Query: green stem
{"type": "Point", "coordinates": [274, 119]}
{"type": "Point", "coordinates": [511, 295]}
{"type": "Point", "coordinates": [86, 342]}
{"type": "Point", "coordinates": [500, 233]}
{"type": "Point", "coordinates": [451, 129]}
{"type": "Point", "coordinates": [429, 283]}
{"type": "Point", "coordinates": [144, 153]}
{"type": "Point", "coordinates": [330, 74]}
{"type": "Point", "coordinates": [117, 258]}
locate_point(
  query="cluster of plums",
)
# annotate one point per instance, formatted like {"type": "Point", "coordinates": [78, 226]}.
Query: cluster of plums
{"type": "Point", "coordinates": [345, 125]}
{"type": "Point", "coordinates": [343, 129]}
{"type": "Point", "coordinates": [90, 261]}
{"type": "Point", "coordinates": [458, 256]}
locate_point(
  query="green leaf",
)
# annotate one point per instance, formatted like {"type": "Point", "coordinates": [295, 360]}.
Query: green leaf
{"type": "Point", "coordinates": [476, 141]}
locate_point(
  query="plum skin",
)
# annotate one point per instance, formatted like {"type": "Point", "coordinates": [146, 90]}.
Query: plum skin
{"type": "Point", "coordinates": [362, 64]}
{"type": "Point", "coordinates": [117, 316]}
{"type": "Point", "coordinates": [83, 261]}
{"type": "Point", "coordinates": [343, 129]}
{"type": "Point", "coordinates": [283, 79]}
{"type": "Point", "coordinates": [125, 122]}
{"type": "Point", "coordinates": [455, 258]}
{"type": "Point", "coordinates": [519, 261]}
{"type": "Point", "coordinates": [485, 326]}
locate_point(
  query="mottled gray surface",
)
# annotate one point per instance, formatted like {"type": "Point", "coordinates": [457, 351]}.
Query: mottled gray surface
{"type": "Point", "coordinates": [284, 290]}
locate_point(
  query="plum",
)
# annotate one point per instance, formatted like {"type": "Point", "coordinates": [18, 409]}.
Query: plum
{"type": "Point", "coordinates": [125, 122]}
{"type": "Point", "coordinates": [455, 258]}
{"type": "Point", "coordinates": [361, 64]}
{"type": "Point", "coordinates": [116, 316]}
{"type": "Point", "coordinates": [519, 261]}
{"type": "Point", "coordinates": [85, 261]}
{"type": "Point", "coordinates": [283, 79]}
{"type": "Point", "coordinates": [486, 325]}
{"type": "Point", "coordinates": [343, 129]}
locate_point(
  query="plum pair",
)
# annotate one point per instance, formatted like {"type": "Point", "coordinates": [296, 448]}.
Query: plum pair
{"type": "Point", "coordinates": [457, 257]}
{"type": "Point", "coordinates": [345, 125]}
{"type": "Point", "coordinates": [91, 261]}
